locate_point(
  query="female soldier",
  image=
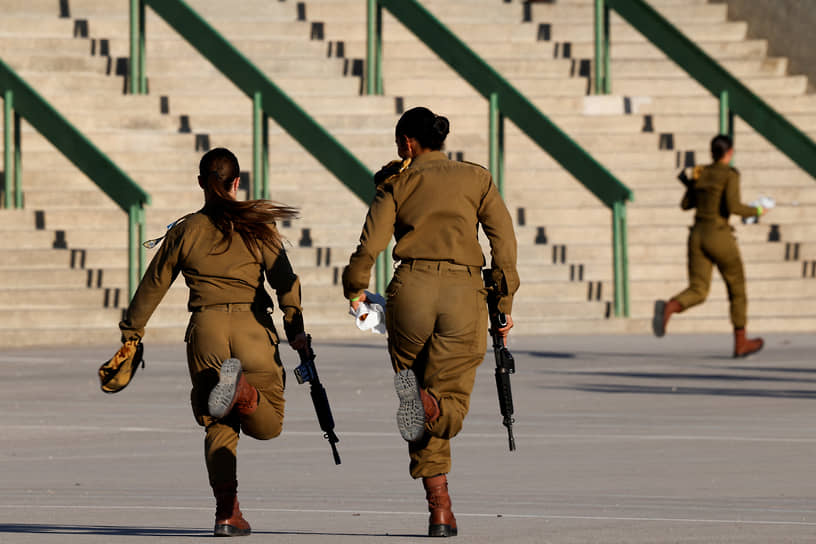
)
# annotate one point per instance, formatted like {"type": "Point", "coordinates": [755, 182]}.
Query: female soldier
{"type": "Point", "coordinates": [223, 251]}
{"type": "Point", "coordinates": [436, 314]}
{"type": "Point", "coordinates": [716, 195]}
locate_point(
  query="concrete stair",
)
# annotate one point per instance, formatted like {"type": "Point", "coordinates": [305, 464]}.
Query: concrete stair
{"type": "Point", "coordinates": [64, 266]}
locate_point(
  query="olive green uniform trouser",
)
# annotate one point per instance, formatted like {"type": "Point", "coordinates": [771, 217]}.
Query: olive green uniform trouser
{"type": "Point", "coordinates": [437, 325]}
{"type": "Point", "coordinates": [712, 243]}
{"type": "Point", "coordinates": [215, 334]}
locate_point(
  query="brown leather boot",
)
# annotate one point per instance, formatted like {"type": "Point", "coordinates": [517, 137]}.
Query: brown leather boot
{"type": "Point", "coordinates": [743, 347]}
{"type": "Point", "coordinates": [430, 405]}
{"type": "Point", "coordinates": [441, 523]}
{"type": "Point", "coordinates": [232, 391]}
{"type": "Point", "coordinates": [228, 518]}
{"type": "Point", "coordinates": [662, 312]}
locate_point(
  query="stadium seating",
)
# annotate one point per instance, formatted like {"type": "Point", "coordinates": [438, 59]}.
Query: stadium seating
{"type": "Point", "coordinates": [63, 273]}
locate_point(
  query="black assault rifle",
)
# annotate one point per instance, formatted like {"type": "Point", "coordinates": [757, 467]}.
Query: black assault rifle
{"type": "Point", "coordinates": [307, 372]}
{"type": "Point", "coordinates": [505, 364]}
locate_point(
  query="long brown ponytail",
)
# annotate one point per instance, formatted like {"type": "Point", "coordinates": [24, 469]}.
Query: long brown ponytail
{"type": "Point", "coordinates": [251, 219]}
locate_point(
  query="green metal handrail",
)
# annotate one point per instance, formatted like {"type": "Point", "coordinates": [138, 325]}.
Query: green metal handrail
{"type": "Point", "coordinates": [268, 99]}
{"type": "Point", "coordinates": [20, 99]}
{"type": "Point", "coordinates": [506, 101]}
{"type": "Point", "coordinates": [735, 98]}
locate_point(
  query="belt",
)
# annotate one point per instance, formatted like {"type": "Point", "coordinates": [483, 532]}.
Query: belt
{"type": "Point", "coordinates": [442, 266]}
{"type": "Point", "coordinates": [227, 307]}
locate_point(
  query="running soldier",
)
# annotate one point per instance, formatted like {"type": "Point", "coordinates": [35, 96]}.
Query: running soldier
{"type": "Point", "coordinates": [224, 251]}
{"type": "Point", "coordinates": [436, 313]}
{"type": "Point", "coordinates": [715, 193]}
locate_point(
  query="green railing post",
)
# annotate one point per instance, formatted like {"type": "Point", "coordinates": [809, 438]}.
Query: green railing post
{"type": "Point", "coordinates": [373, 48]}
{"type": "Point", "coordinates": [142, 50]}
{"type": "Point", "coordinates": [378, 52]}
{"type": "Point", "coordinates": [136, 253]}
{"type": "Point", "coordinates": [18, 162]}
{"type": "Point", "coordinates": [257, 146]}
{"type": "Point", "coordinates": [496, 143]}
{"type": "Point", "coordinates": [133, 62]}
{"type": "Point", "coordinates": [599, 46]}
{"type": "Point", "coordinates": [726, 119]}
{"type": "Point", "coordinates": [620, 256]}
{"type": "Point", "coordinates": [607, 52]}
{"type": "Point", "coordinates": [265, 156]}
{"type": "Point", "coordinates": [379, 273]}
{"type": "Point", "coordinates": [8, 136]}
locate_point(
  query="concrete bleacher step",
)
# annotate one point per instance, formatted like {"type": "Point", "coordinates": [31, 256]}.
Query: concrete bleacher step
{"type": "Point", "coordinates": [553, 299]}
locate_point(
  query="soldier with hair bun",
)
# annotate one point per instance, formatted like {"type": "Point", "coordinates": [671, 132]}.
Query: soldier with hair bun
{"type": "Point", "coordinates": [715, 193]}
{"type": "Point", "coordinates": [436, 314]}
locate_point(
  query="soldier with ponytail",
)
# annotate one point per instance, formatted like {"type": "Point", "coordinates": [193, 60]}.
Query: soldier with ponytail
{"type": "Point", "coordinates": [225, 251]}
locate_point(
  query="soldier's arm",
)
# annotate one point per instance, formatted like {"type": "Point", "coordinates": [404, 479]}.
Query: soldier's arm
{"type": "Point", "coordinates": [160, 274]}
{"type": "Point", "coordinates": [285, 282]}
{"type": "Point", "coordinates": [498, 226]}
{"type": "Point", "coordinates": [733, 200]}
{"type": "Point", "coordinates": [377, 232]}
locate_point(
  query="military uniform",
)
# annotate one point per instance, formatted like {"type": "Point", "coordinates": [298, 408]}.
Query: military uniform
{"type": "Point", "coordinates": [230, 318]}
{"type": "Point", "coordinates": [436, 313]}
{"type": "Point", "coordinates": [716, 195]}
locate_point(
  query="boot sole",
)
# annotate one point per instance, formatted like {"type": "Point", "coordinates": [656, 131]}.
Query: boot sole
{"type": "Point", "coordinates": [442, 531]}
{"type": "Point", "coordinates": [222, 397]}
{"type": "Point", "coordinates": [657, 320]}
{"type": "Point", "coordinates": [411, 413]}
{"type": "Point", "coordinates": [229, 530]}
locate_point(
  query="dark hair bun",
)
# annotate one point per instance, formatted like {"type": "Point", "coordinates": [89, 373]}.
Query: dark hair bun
{"type": "Point", "coordinates": [441, 128]}
{"type": "Point", "coordinates": [429, 130]}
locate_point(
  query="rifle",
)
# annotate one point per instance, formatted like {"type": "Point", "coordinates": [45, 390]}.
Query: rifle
{"type": "Point", "coordinates": [307, 372]}
{"type": "Point", "coordinates": [505, 364]}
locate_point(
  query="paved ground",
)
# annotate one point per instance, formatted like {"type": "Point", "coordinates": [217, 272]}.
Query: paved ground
{"type": "Point", "coordinates": [621, 439]}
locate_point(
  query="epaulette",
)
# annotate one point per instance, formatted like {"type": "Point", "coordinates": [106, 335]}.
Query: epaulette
{"type": "Point", "coordinates": [393, 168]}
{"type": "Point", "coordinates": [474, 164]}
{"type": "Point", "coordinates": [150, 244]}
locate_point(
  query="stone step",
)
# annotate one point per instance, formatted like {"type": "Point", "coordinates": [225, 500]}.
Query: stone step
{"type": "Point", "coordinates": [62, 63]}
{"type": "Point", "coordinates": [559, 31]}
{"type": "Point", "coordinates": [581, 49]}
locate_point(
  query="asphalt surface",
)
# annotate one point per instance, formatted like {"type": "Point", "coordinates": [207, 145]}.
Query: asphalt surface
{"type": "Point", "coordinates": [620, 440]}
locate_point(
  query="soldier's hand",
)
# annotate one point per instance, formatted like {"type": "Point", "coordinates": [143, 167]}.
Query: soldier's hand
{"type": "Point", "coordinates": [356, 303]}
{"type": "Point", "coordinates": [299, 341]}
{"type": "Point", "coordinates": [504, 331]}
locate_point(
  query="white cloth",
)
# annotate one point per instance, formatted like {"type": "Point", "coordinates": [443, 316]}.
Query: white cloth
{"type": "Point", "coordinates": [766, 202]}
{"type": "Point", "coordinates": [370, 314]}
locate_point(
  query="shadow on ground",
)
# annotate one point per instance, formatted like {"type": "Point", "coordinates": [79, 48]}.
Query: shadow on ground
{"type": "Point", "coordinates": [110, 530]}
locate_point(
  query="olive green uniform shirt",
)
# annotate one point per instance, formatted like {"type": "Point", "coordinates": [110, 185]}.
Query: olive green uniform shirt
{"type": "Point", "coordinates": [215, 274]}
{"type": "Point", "coordinates": [716, 195]}
{"type": "Point", "coordinates": [433, 209]}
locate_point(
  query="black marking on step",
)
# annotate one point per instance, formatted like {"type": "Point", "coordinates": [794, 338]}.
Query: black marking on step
{"type": "Point", "coordinates": [39, 219]}
{"type": "Point", "coordinates": [541, 236]}
{"type": "Point", "coordinates": [317, 32]}
{"type": "Point", "coordinates": [59, 240]}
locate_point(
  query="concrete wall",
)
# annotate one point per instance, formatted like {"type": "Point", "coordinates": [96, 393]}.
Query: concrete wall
{"type": "Point", "coordinates": [788, 25]}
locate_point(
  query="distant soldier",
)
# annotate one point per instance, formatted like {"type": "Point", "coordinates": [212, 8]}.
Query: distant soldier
{"type": "Point", "coordinates": [436, 314]}
{"type": "Point", "coordinates": [716, 194]}
{"type": "Point", "coordinates": [224, 252]}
